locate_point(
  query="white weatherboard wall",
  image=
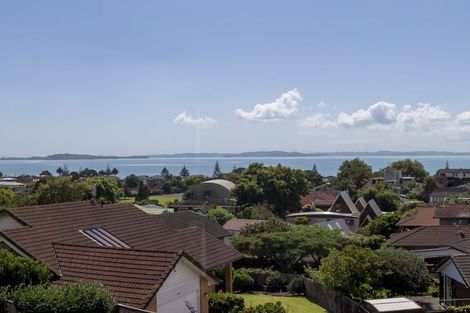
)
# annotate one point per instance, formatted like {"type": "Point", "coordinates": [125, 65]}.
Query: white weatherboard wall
{"type": "Point", "coordinates": [181, 285]}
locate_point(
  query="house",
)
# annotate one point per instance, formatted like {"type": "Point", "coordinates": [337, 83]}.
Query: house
{"type": "Point", "coordinates": [454, 280]}
{"type": "Point", "coordinates": [12, 185]}
{"type": "Point", "coordinates": [153, 209]}
{"type": "Point", "coordinates": [360, 204]}
{"type": "Point", "coordinates": [370, 212]}
{"type": "Point", "coordinates": [450, 177]}
{"type": "Point", "coordinates": [427, 237]}
{"type": "Point", "coordinates": [236, 225]}
{"type": "Point", "coordinates": [442, 194]}
{"type": "Point", "coordinates": [320, 199]}
{"type": "Point", "coordinates": [392, 176]}
{"type": "Point", "coordinates": [424, 216]}
{"type": "Point", "coordinates": [453, 214]}
{"type": "Point", "coordinates": [336, 224]}
{"type": "Point", "coordinates": [351, 220]}
{"type": "Point", "coordinates": [145, 263]}
{"type": "Point", "coordinates": [343, 204]}
{"type": "Point", "coordinates": [200, 197]}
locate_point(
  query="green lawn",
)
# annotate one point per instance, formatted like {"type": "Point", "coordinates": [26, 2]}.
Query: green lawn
{"type": "Point", "coordinates": [292, 304]}
{"type": "Point", "coordinates": [129, 200]}
{"type": "Point", "coordinates": [165, 200]}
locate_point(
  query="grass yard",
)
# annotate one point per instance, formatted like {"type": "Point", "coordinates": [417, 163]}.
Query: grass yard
{"type": "Point", "coordinates": [165, 200]}
{"type": "Point", "coordinates": [129, 200]}
{"type": "Point", "coordinates": [292, 304]}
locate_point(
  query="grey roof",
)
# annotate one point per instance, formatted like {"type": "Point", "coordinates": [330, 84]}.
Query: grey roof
{"type": "Point", "coordinates": [448, 191]}
{"type": "Point", "coordinates": [394, 305]}
{"type": "Point", "coordinates": [347, 200]}
{"type": "Point", "coordinates": [222, 182]}
{"type": "Point", "coordinates": [321, 214]}
{"type": "Point", "coordinates": [436, 252]}
{"type": "Point", "coordinates": [462, 262]}
{"type": "Point", "coordinates": [361, 201]}
{"type": "Point", "coordinates": [374, 207]}
{"type": "Point", "coordinates": [335, 224]}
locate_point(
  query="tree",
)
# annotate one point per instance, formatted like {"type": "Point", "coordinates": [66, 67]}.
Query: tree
{"type": "Point", "coordinates": [165, 173]}
{"type": "Point", "coordinates": [143, 192]}
{"type": "Point", "coordinates": [314, 176]}
{"type": "Point", "coordinates": [217, 172]}
{"type": "Point", "coordinates": [355, 271]}
{"type": "Point", "coordinates": [107, 189]}
{"type": "Point", "coordinates": [405, 272]}
{"type": "Point", "coordinates": [412, 168]}
{"type": "Point", "coordinates": [184, 173]}
{"type": "Point", "coordinates": [384, 225]}
{"type": "Point", "coordinates": [131, 181]}
{"type": "Point", "coordinates": [256, 212]}
{"type": "Point", "coordinates": [219, 215]}
{"type": "Point", "coordinates": [114, 171]}
{"type": "Point", "coordinates": [61, 189]}
{"type": "Point", "coordinates": [7, 197]}
{"type": "Point", "coordinates": [302, 220]}
{"type": "Point", "coordinates": [43, 173]}
{"type": "Point", "coordinates": [1, 174]}
{"type": "Point", "coordinates": [108, 170]}
{"type": "Point", "coordinates": [273, 225]}
{"type": "Point", "coordinates": [59, 171]}
{"type": "Point", "coordinates": [279, 186]}
{"type": "Point", "coordinates": [352, 175]}
{"type": "Point", "coordinates": [387, 199]}
{"type": "Point", "coordinates": [193, 180]}
{"type": "Point", "coordinates": [16, 270]}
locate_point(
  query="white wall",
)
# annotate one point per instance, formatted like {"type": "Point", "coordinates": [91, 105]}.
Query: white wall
{"type": "Point", "coordinates": [180, 286]}
{"type": "Point", "coordinates": [8, 222]}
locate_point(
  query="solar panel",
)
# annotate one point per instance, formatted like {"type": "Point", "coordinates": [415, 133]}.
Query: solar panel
{"type": "Point", "coordinates": [102, 237]}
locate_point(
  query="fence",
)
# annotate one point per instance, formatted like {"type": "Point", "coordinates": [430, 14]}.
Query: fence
{"type": "Point", "coordinates": [331, 300]}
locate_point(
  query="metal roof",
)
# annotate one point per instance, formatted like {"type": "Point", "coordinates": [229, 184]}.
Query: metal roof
{"type": "Point", "coordinates": [393, 304]}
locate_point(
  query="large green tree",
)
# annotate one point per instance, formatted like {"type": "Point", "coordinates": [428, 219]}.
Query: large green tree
{"type": "Point", "coordinates": [7, 198]}
{"type": "Point", "coordinates": [279, 186]}
{"type": "Point", "coordinates": [107, 189]}
{"type": "Point", "coordinates": [409, 167]}
{"type": "Point", "coordinates": [61, 189]}
{"type": "Point", "coordinates": [387, 199]}
{"type": "Point", "coordinates": [353, 175]}
{"type": "Point", "coordinates": [219, 215]}
{"type": "Point", "coordinates": [384, 225]}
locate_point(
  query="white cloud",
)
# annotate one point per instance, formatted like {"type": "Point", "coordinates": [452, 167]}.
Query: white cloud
{"type": "Point", "coordinates": [379, 113]}
{"type": "Point", "coordinates": [317, 121]}
{"type": "Point", "coordinates": [423, 117]}
{"type": "Point", "coordinates": [321, 104]}
{"type": "Point", "coordinates": [464, 118]}
{"type": "Point", "coordinates": [202, 122]}
{"type": "Point", "coordinates": [282, 108]}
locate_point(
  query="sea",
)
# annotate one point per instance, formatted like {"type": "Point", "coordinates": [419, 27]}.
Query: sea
{"type": "Point", "coordinates": [326, 165]}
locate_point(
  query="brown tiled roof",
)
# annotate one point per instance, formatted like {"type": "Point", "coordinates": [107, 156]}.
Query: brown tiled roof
{"type": "Point", "coordinates": [462, 262]}
{"type": "Point", "coordinates": [321, 196]}
{"type": "Point", "coordinates": [462, 245]}
{"type": "Point", "coordinates": [186, 219]}
{"type": "Point", "coordinates": [132, 276]}
{"type": "Point", "coordinates": [61, 223]}
{"type": "Point", "coordinates": [453, 211]}
{"type": "Point", "coordinates": [238, 224]}
{"type": "Point", "coordinates": [430, 236]}
{"type": "Point", "coordinates": [424, 216]}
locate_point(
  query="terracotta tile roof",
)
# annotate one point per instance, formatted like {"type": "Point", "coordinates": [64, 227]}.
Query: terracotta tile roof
{"type": "Point", "coordinates": [132, 276]}
{"type": "Point", "coordinates": [424, 216]}
{"type": "Point", "coordinates": [61, 223]}
{"type": "Point", "coordinates": [238, 224]}
{"type": "Point", "coordinates": [430, 236]}
{"type": "Point", "coordinates": [185, 219]}
{"type": "Point", "coordinates": [320, 196]}
{"type": "Point", "coordinates": [453, 211]}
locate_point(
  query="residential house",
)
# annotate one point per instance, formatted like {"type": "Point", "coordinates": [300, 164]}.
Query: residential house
{"type": "Point", "coordinates": [145, 263]}
{"type": "Point", "coordinates": [153, 209]}
{"type": "Point", "coordinates": [369, 213]}
{"type": "Point", "coordinates": [323, 218]}
{"type": "Point", "coordinates": [453, 176]}
{"type": "Point", "coordinates": [424, 216]}
{"type": "Point", "coordinates": [442, 194]}
{"type": "Point", "coordinates": [320, 199]}
{"type": "Point", "coordinates": [392, 176]}
{"type": "Point", "coordinates": [453, 214]}
{"type": "Point", "coordinates": [236, 225]}
{"type": "Point", "coordinates": [343, 204]}
{"type": "Point", "coordinates": [360, 204]}
{"type": "Point", "coordinates": [454, 279]}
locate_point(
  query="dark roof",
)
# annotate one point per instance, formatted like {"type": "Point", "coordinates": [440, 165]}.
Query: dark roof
{"type": "Point", "coordinates": [132, 276]}
{"type": "Point", "coordinates": [238, 224]}
{"type": "Point", "coordinates": [453, 211]}
{"type": "Point", "coordinates": [453, 170]}
{"type": "Point", "coordinates": [360, 203]}
{"type": "Point", "coordinates": [374, 207]}
{"type": "Point", "coordinates": [430, 236]}
{"type": "Point", "coordinates": [370, 212]}
{"type": "Point", "coordinates": [61, 223]}
{"type": "Point", "coordinates": [448, 191]}
{"type": "Point", "coordinates": [186, 219]}
{"type": "Point", "coordinates": [462, 245]}
{"type": "Point", "coordinates": [424, 216]}
{"type": "Point", "coordinates": [344, 195]}
{"type": "Point", "coordinates": [462, 262]}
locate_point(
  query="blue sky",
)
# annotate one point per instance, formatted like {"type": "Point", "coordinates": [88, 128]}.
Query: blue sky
{"type": "Point", "coordinates": [143, 77]}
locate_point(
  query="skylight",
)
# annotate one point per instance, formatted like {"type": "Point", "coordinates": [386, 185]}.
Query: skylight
{"type": "Point", "coordinates": [102, 237]}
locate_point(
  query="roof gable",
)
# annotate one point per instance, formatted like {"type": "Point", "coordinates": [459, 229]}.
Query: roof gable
{"type": "Point", "coordinates": [344, 204]}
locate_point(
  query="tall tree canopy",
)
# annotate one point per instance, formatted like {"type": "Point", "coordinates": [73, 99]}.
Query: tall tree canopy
{"type": "Point", "coordinates": [217, 172]}
{"type": "Point", "coordinates": [409, 167]}
{"type": "Point", "coordinates": [387, 199]}
{"type": "Point", "coordinates": [279, 186]}
{"type": "Point", "coordinates": [353, 175]}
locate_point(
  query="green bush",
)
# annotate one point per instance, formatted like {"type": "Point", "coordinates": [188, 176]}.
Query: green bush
{"type": "Point", "coordinates": [459, 309]}
{"type": "Point", "coordinates": [225, 303]}
{"type": "Point", "coordinates": [301, 220]}
{"type": "Point", "coordinates": [269, 307]}
{"type": "Point", "coordinates": [16, 270]}
{"type": "Point", "coordinates": [242, 281]}
{"type": "Point", "coordinates": [4, 296]}
{"type": "Point", "coordinates": [259, 276]}
{"type": "Point", "coordinates": [76, 298]}
{"type": "Point", "coordinates": [296, 286]}
{"type": "Point", "coordinates": [275, 282]}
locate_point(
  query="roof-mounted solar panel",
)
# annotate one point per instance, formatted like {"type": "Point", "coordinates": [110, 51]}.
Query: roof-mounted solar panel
{"type": "Point", "coordinates": [102, 237]}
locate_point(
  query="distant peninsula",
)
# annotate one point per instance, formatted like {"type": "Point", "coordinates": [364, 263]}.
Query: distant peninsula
{"type": "Point", "coordinates": [256, 154]}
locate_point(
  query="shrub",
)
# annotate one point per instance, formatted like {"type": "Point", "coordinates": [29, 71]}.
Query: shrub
{"type": "Point", "coordinates": [225, 303]}
{"type": "Point", "coordinates": [302, 220]}
{"type": "Point", "coordinates": [296, 286]}
{"type": "Point", "coordinates": [273, 225]}
{"type": "Point", "coordinates": [16, 270]}
{"type": "Point", "coordinates": [242, 281]}
{"type": "Point", "coordinates": [259, 276]}
{"type": "Point", "coordinates": [269, 307]}
{"type": "Point", "coordinates": [76, 298]}
{"type": "Point", "coordinates": [276, 282]}
{"type": "Point", "coordinates": [219, 215]}
{"type": "Point", "coordinates": [4, 296]}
